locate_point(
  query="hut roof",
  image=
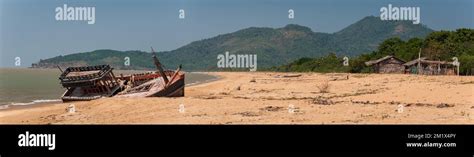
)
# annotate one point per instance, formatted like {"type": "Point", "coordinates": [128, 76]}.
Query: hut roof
{"type": "Point", "coordinates": [372, 62]}
{"type": "Point", "coordinates": [413, 61]}
{"type": "Point", "coordinates": [423, 60]}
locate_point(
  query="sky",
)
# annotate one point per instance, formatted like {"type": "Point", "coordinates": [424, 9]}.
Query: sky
{"type": "Point", "coordinates": [29, 30]}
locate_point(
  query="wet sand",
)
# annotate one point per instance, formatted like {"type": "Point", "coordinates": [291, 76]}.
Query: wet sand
{"type": "Point", "coordinates": [279, 98]}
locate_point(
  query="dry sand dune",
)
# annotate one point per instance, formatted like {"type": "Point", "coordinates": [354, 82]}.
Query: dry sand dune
{"type": "Point", "coordinates": [280, 98]}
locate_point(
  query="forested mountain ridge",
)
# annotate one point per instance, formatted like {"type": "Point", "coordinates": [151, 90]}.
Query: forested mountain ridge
{"type": "Point", "coordinates": [273, 46]}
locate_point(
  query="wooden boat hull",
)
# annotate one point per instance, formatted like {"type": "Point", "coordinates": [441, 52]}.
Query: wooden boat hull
{"type": "Point", "coordinates": [69, 96]}
{"type": "Point", "coordinates": [156, 88]}
{"type": "Point", "coordinates": [175, 89]}
{"type": "Point", "coordinates": [94, 82]}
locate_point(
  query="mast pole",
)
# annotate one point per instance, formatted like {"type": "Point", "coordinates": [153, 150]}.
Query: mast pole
{"type": "Point", "coordinates": [419, 61]}
{"type": "Point", "coordinates": [158, 67]}
{"type": "Point", "coordinates": [59, 68]}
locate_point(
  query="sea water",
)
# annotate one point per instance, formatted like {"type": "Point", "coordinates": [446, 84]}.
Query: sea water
{"type": "Point", "coordinates": [28, 86]}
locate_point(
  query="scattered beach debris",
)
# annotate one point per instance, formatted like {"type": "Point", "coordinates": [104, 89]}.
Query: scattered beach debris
{"type": "Point", "coordinates": [294, 75]}
{"type": "Point", "coordinates": [422, 104]}
{"type": "Point", "coordinates": [366, 115]}
{"type": "Point", "coordinates": [242, 97]}
{"type": "Point", "coordinates": [322, 101]}
{"type": "Point", "coordinates": [272, 108]}
{"type": "Point", "coordinates": [396, 103]}
{"type": "Point", "coordinates": [324, 87]}
{"type": "Point", "coordinates": [263, 91]}
{"type": "Point", "coordinates": [199, 115]}
{"type": "Point", "coordinates": [365, 102]}
{"type": "Point", "coordinates": [209, 97]}
{"type": "Point", "coordinates": [352, 120]}
{"type": "Point", "coordinates": [468, 82]}
{"type": "Point", "coordinates": [441, 105]}
{"type": "Point", "coordinates": [271, 97]}
{"type": "Point", "coordinates": [293, 110]}
{"type": "Point", "coordinates": [51, 117]}
{"type": "Point", "coordinates": [339, 78]}
{"type": "Point", "coordinates": [222, 92]}
{"type": "Point", "coordinates": [287, 76]}
{"type": "Point", "coordinates": [444, 105]}
{"type": "Point", "coordinates": [253, 80]}
{"type": "Point", "coordinates": [360, 75]}
{"type": "Point", "coordinates": [357, 93]}
{"type": "Point", "coordinates": [237, 88]}
{"type": "Point", "coordinates": [247, 114]}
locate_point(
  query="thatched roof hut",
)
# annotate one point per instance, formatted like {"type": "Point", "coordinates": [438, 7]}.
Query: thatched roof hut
{"type": "Point", "coordinates": [387, 64]}
{"type": "Point", "coordinates": [429, 67]}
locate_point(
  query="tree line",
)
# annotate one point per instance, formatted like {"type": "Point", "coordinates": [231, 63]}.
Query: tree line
{"type": "Point", "coordinates": [438, 45]}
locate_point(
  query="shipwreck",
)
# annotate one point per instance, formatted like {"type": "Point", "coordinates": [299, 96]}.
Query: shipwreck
{"type": "Point", "coordinates": [94, 82]}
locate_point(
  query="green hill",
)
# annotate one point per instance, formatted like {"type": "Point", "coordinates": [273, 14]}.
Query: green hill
{"type": "Point", "coordinates": [372, 31]}
{"type": "Point", "coordinates": [138, 59]}
{"type": "Point", "coordinates": [273, 46]}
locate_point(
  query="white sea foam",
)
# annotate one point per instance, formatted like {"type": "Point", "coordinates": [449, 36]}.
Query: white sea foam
{"type": "Point", "coordinates": [191, 84]}
{"type": "Point", "coordinates": [4, 106]}
{"type": "Point", "coordinates": [36, 102]}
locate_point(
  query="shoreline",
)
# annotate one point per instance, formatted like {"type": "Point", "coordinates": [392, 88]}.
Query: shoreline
{"type": "Point", "coordinates": [267, 97]}
{"type": "Point", "coordinates": [20, 107]}
{"type": "Point", "coordinates": [59, 101]}
{"type": "Point", "coordinates": [215, 78]}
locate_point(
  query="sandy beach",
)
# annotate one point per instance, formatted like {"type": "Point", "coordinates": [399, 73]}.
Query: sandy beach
{"type": "Point", "coordinates": [279, 98]}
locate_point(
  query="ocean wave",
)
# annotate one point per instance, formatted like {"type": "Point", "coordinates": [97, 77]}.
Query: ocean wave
{"type": "Point", "coordinates": [36, 102]}
{"type": "Point", "coordinates": [190, 84]}
{"type": "Point", "coordinates": [4, 106]}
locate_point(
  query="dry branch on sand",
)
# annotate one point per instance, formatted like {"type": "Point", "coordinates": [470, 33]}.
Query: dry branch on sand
{"type": "Point", "coordinates": [324, 87]}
